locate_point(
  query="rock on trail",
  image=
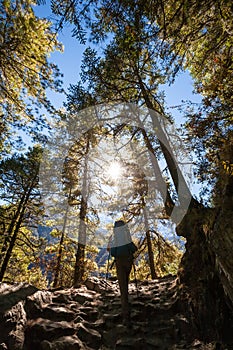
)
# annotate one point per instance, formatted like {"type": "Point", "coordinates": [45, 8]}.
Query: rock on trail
{"type": "Point", "coordinates": [89, 318]}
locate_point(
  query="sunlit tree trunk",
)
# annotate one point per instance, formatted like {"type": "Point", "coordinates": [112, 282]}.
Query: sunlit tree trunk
{"type": "Point", "coordinates": [176, 174]}
{"type": "Point", "coordinates": [162, 186]}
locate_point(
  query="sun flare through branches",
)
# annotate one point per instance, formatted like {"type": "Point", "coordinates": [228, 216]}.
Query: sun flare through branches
{"type": "Point", "coordinates": [115, 171]}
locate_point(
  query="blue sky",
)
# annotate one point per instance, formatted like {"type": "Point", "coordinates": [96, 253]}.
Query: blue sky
{"type": "Point", "coordinates": [69, 63]}
{"type": "Point", "coordinates": [70, 60]}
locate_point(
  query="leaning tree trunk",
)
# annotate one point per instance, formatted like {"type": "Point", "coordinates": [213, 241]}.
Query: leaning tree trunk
{"type": "Point", "coordinates": [10, 229]}
{"type": "Point", "coordinates": [199, 274]}
{"type": "Point", "coordinates": [15, 227]}
{"type": "Point", "coordinates": [11, 244]}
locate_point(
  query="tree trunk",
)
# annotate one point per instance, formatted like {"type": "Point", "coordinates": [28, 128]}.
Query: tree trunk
{"type": "Point", "coordinates": [12, 244]}
{"type": "Point", "coordinates": [149, 245]}
{"type": "Point", "coordinates": [59, 257]}
{"type": "Point", "coordinates": [16, 224]}
{"type": "Point", "coordinates": [161, 184]}
{"type": "Point", "coordinates": [80, 255]}
{"type": "Point", "coordinates": [80, 264]}
{"type": "Point", "coordinates": [176, 174]}
{"type": "Point", "coordinates": [10, 229]}
{"type": "Point", "coordinates": [198, 274]}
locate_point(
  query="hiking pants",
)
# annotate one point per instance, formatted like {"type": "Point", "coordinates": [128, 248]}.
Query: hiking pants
{"type": "Point", "coordinates": [123, 267]}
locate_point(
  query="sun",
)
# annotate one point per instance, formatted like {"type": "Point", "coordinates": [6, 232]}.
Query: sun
{"type": "Point", "coordinates": [115, 171]}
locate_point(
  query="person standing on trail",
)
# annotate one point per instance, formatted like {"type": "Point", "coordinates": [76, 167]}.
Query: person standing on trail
{"type": "Point", "coordinates": [122, 249]}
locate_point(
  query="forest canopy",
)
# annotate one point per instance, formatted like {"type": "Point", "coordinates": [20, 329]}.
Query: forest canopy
{"type": "Point", "coordinates": [132, 50]}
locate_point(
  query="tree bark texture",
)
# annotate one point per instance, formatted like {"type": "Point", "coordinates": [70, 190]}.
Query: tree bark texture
{"type": "Point", "coordinates": [200, 280]}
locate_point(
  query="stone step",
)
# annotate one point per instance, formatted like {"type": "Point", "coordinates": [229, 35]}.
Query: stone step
{"type": "Point", "coordinates": [81, 318]}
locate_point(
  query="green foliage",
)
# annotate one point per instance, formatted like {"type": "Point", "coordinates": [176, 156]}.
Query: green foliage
{"type": "Point", "coordinates": [17, 174]}
{"type": "Point", "coordinates": [174, 35]}
{"type": "Point", "coordinates": [201, 33]}
{"type": "Point", "coordinates": [22, 207]}
{"type": "Point", "coordinates": [130, 71]}
{"type": "Point", "coordinates": [67, 11]}
{"type": "Point", "coordinates": [25, 70]}
{"type": "Point", "coordinates": [24, 262]}
{"type": "Point", "coordinates": [167, 258]}
{"type": "Point", "coordinates": [90, 264]}
{"type": "Point", "coordinates": [67, 263]}
{"type": "Point", "coordinates": [110, 267]}
{"type": "Point", "coordinates": [148, 45]}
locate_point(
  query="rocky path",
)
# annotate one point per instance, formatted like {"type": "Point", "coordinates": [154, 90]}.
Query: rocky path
{"type": "Point", "coordinates": [89, 318]}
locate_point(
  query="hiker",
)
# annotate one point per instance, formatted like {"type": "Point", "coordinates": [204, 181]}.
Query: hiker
{"type": "Point", "coordinates": [122, 249]}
